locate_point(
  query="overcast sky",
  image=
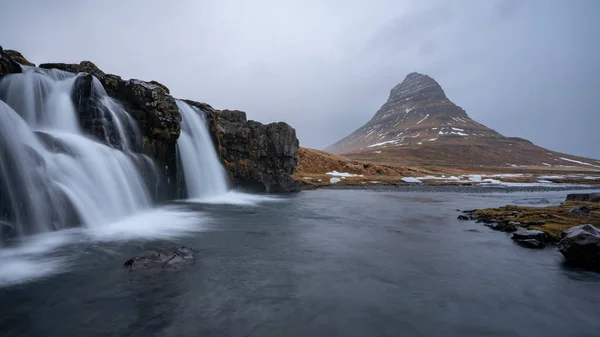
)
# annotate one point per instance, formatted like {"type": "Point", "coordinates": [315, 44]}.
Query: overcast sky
{"type": "Point", "coordinates": [525, 68]}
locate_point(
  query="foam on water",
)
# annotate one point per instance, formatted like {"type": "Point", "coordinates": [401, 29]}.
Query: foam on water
{"type": "Point", "coordinates": [39, 256]}
{"type": "Point", "coordinates": [235, 198]}
{"type": "Point", "coordinates": [161, 223]}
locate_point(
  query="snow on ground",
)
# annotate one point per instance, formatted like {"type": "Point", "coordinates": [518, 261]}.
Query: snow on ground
{"type": "Point", "coordinates": [343, 174]}
{"type": "Point", "coordinates": [432, 140]}
{"type": "Point", "coordinates": [457, 129]}
{"type": "Point", "coordinates": [486, 180]}
{"type": "Point", "coordinates": [546, 164]}
{"type": "Point", "coordinates": [377, 152]}
{"type": "Point", "coordinates": [383, 143]}
{"type": "Point", "coordinates": [579, 162]}
{"type": "Point", "coordinates": [411, 180]}
{"type": "Point", "coordinates": [334, 180]}
{"type": "Point", "coordinates": [419, 122]}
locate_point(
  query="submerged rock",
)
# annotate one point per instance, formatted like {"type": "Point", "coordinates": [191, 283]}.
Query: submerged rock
{"type": "Point", "coordinates": [581, 246]}
{"type": "Point", "coordinates": [154, 260]}
{"type": "Point", "coordinates": [589, 197]}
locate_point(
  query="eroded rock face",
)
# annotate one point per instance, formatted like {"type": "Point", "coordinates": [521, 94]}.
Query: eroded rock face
{"type": "Point", "coordinates": [581, 246]}
{"type": "Point", "coordinates": [161, 259]}
{"type": "Point", "coordinates": [258, 157]}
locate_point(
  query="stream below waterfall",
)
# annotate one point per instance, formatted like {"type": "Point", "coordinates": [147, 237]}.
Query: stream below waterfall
{"type": "Point", "coordinates": [318, 263]}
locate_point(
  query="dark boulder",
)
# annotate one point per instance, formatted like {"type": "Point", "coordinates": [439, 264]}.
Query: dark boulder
{"type": "Point", "coordinates": [463, 217]}
{"type": "Point", "coordinates": [589, 197]}
{"type": "Point", "coordinates": [160, 259]}
{"type": "Point", "coordinates": [530, 238]}
{"type": "Point", "coordinates": [504, 226]}
{"type": "Point", "coordinates": [580, 210]}
{"type": "Point", "coordinates": [525, 234]}
{"type": "Point", "coordinates": [258, 157]}
{"type": "Point", "coordinates": [581, 246]}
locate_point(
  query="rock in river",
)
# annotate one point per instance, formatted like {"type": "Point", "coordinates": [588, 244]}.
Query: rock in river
{"type": "Point", "coordinates": [168, 258]}
{"type": "Point", "coordinates": [581, 246]}
{"type": "Point", "coordinates": [530, 238]}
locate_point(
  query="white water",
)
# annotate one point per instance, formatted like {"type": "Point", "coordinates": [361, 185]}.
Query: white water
{"type": "Point", "coordinates": [204, 175]}
{"type": "Point", "coordinates": [43, 255]}
{"type": "Point", "coordinates": [43, 187]}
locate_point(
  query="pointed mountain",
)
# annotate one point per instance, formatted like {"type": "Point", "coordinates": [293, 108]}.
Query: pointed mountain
{"type": "Point", "coordinates": [419, 124]}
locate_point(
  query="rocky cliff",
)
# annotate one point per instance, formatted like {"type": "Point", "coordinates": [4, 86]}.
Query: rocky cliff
{"type": "Point", "coordinates": [257, 156]}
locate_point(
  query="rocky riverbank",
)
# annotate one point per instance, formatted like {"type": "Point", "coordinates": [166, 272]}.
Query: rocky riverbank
{"type": "Point", "coordinates": [571, 225]}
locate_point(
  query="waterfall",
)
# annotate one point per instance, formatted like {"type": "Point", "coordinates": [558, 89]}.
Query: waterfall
{"type": "Point", "coordinates": [203, 172]}
{"type": "Point", "coordinates": [51, 174]}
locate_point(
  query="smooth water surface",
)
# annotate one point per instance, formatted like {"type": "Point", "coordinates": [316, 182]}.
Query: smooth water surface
{"type": "Point", "coordinates": [319, 263]}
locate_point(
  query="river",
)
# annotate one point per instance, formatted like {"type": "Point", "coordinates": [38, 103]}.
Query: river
{"type": "Point", "coordinates": [319, 263]}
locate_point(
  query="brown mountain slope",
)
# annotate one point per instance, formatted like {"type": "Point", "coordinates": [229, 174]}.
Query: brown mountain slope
{"type": "Point", "coordinates": [419, 125]}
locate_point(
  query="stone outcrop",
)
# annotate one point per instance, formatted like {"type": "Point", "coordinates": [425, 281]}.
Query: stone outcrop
{"type": "Point", "coordinates": [18, 57]}
{"type": "Point", "coordinates": [161, 259]}
{"type": "Point", "coordinates": [8, 65]}
{"type": "Point", "coordinates": [258, 157]}
{"type": "Point", "coordinates": [530, 238]}
{"type": "Point", "coordinates": [580, 210]}
{"type": "Point", "coordinates": [581, 246]}
{"type": "Point", "coordinates": [587, 197]}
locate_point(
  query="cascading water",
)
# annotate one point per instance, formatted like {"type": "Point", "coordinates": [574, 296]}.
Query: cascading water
{"type": "Point", "coordinates": [204, 174]}
{"type": "Point", "coordinates": [51, 174]}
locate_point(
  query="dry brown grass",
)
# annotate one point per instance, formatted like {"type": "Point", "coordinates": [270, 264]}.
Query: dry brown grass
{"type": "Point", "coordinates": [556, 218]}
{"type": "Point", "coordinates": [315, 164]}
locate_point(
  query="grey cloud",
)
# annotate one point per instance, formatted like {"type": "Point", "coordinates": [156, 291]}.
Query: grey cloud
{"type": "Point", "coordinates": [524, 68]}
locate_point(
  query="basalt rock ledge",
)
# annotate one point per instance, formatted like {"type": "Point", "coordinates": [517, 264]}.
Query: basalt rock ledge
{"type": "Point", "coordinates": [257, 157]}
